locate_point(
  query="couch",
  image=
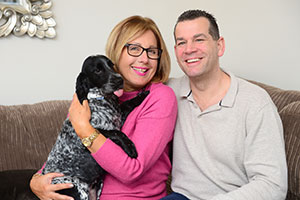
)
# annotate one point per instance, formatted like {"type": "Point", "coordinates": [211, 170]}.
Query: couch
{"type": "Point", "coordinates": [27, 133]}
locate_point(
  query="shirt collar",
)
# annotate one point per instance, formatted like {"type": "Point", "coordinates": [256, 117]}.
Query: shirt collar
{"type": "Point", "coordinates": [185, 89]}
{"type": "Point", "coordinates": [229, 98]}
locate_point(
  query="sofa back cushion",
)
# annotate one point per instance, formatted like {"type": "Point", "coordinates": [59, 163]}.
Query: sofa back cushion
{"type": "Point", "coordinates": [290, 116]}
{"type": "Point", "coordinates": [28, 132]}
{"type": "Point", "coordinates": [280, 97]}
{"type": "Point", "coordinates": [288, 105]}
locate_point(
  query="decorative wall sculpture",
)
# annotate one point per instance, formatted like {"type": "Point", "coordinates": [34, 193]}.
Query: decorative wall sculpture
{"type": "Point", "coordinates": [32, 17]}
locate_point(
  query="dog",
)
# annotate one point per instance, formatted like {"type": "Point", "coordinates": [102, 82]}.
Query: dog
{"type": "Point", "coordinates": [97, 82]}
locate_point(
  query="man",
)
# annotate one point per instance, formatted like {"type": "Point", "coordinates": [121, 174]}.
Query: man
{"type": "Point", "coordinates": [228, 142]}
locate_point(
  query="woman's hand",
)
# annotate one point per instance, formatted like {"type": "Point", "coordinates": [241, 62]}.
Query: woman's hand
{"type": "Point", "coordinates": [41, 186]}
{"type": "Point", "coordinates": [80, 116]}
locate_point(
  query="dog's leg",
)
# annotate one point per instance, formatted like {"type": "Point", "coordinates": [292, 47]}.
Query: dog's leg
{"type": "Point", "coordinates": [72, 192]}
{"type": "Point", "coordinates": [95, 189]}
{"type": "Point", "coordinates": [122, 140]}
{"type": "Point", "coordinates": [128, 106]}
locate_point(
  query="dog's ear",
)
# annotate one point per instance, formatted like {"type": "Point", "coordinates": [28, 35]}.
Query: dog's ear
{"type": "Point", "coordinates": [93, 68]}
{"type": "Point", "coordinates": [82, 87]}
{"type": "Point", "coordinates": [106, 61]}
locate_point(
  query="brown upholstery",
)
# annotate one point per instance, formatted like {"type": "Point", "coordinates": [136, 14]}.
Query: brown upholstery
{"type": "Point", "coordinates": [288, 105]}
{"type": "Point", "coordinates": [27, 133]}
{"type": "Point", "coordinates": [290, 116]}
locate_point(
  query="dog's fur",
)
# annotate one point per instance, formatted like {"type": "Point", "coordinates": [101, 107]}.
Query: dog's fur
{"type": "Point", "coordinates": [96, 82]}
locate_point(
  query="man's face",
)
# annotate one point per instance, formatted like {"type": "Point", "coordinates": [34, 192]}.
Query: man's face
{"type": "Point", "coordinates": [196, 51]}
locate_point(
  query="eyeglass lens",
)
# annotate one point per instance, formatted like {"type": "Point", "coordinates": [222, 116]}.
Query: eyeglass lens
{"type": "Point", "coordinates": [137, 50]}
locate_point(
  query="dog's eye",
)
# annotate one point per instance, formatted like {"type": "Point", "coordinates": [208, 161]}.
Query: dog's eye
{"type": "Point", "coordinates": [97, 71]}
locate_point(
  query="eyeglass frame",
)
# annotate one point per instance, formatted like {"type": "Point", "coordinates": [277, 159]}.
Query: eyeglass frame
{"type": "Point", "coordinates": [144, 49]}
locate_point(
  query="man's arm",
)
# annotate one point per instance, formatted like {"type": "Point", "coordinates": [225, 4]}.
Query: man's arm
{"type": "Point", "coordinates": [265, 160]}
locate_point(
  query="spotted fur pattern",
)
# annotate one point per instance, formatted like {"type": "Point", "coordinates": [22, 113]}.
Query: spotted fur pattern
{"type": "Point", "coordinates": [96, 82]}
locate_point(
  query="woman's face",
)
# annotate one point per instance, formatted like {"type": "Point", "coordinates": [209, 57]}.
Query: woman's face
{"type": "Point", "coordinates": [138, 71]}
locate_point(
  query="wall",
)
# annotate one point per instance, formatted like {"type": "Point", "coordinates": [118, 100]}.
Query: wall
{"type": "Point", "coordinates": [262, 43]}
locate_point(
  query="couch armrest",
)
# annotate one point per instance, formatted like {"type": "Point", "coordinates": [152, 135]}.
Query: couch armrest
{"type": "Point", "coordinates": [14, 185]}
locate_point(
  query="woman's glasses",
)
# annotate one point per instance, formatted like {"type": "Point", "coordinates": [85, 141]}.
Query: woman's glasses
{"type": "Point", "coordinates": [137, 50]}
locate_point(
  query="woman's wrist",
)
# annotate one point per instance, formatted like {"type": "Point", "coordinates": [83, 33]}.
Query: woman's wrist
{"type": "Point", "coordinates": [37, 174]}
{"type": "Point", "coordinates": [97, 144]}
{"type": "Point", "coordinates": [85, 131]}
{"type": "Point", "coordinates": [32, 183]}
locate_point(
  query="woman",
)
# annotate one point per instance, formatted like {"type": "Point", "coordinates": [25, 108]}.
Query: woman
{"type": "Point", "coordinates": [136, 47]}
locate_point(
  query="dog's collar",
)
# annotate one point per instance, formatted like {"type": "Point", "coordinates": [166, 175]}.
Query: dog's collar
{"type": "Point", "coordinates": [94, 96]}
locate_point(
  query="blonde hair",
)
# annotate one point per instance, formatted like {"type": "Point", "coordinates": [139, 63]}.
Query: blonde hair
{"type": "Point", "coordinates": [130, 29]}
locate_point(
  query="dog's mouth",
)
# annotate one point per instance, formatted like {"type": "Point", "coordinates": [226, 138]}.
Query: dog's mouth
{"type": "Point", "coordinates": [119, 92]}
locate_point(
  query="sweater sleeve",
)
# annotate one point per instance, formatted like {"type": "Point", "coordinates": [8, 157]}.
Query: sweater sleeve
{"type": "Point", "coordinates": [264, 161]}
{"type": "Point", "coordinates": [150, 126]}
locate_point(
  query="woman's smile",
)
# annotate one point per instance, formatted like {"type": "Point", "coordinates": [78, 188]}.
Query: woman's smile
{"type": "Point", "coordinates": [142, 71]}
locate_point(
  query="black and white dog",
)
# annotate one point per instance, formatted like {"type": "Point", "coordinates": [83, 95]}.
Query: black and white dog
{"type": "Point", "coordinates": [97, 82]}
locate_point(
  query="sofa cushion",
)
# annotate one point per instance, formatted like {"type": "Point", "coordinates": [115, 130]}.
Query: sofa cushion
{"type": "Point", "coordinates": [290, 116]}
{"type": "Point", "coordinates": [28, 133]}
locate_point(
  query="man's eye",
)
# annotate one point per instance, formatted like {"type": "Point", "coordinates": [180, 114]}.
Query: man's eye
{"type": "Point", "coordinates": [180, 43]}
{"type": "Point", "coordinates": [199, 40]}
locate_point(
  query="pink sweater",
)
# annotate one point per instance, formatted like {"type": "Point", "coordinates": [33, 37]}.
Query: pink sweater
{"type": "Point", "coordinates": [150, 126]}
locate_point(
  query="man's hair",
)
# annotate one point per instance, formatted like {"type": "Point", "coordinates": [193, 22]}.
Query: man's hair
{"type": "Point", "coordinates": [194, 14]}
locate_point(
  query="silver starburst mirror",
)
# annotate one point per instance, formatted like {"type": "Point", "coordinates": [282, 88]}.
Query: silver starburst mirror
{"type": "Point", "coordinates": [32, 17]}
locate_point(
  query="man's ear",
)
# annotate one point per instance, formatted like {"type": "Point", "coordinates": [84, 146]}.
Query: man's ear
{"type": "Point", "coordinates": [175, 47]}
{"type": "Point", "coordinates": [221, 46]}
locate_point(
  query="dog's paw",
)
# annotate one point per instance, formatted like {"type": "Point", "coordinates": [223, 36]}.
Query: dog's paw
{"type": "Point", "coordinates": [131, 151]}
{"type": "Point", "coordinates": [122, 140]}
{"type": "Point", "coordinates": [143, 94]}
